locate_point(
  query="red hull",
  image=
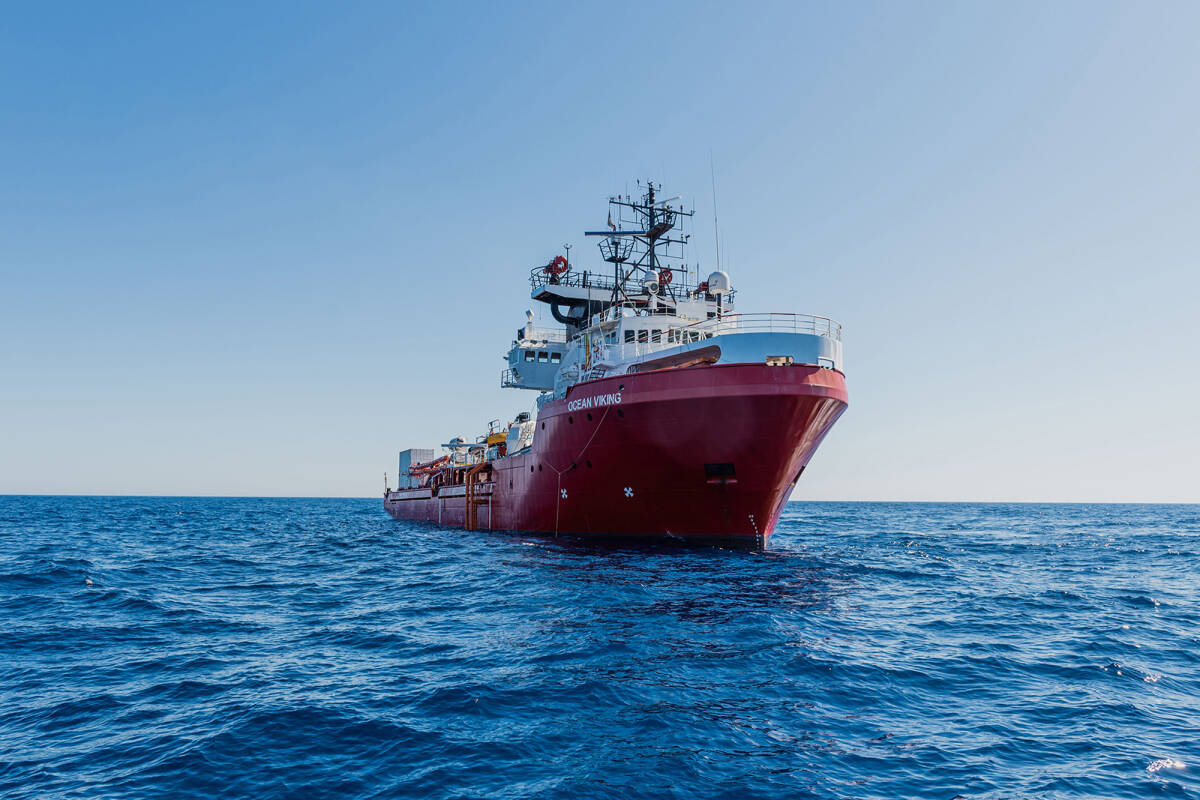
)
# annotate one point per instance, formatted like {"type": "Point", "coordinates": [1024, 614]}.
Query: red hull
{"type": "Point", "coordinates": [650, 455]}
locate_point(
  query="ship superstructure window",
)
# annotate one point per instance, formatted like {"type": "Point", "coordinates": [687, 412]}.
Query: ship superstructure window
{"type": "Point", "coordinates": [530, 356]}
{"type": "Point", "coordinates": [628, 336]}
{"type": "Point", "coordinates": [643, 335]}
{"type": "Point", "coordinates": [556, 358]}
{"type": "Point", "coordinates": [656, 335]}
{"type": "Point", "coordinates": [543, 357]}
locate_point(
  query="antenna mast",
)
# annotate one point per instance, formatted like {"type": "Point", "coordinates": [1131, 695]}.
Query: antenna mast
{"type": "Point", "coordinates": [716, 231]}
{"type": "Point", "coordinates": [644, 239]}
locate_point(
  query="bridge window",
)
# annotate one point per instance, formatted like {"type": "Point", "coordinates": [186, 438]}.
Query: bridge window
{"type": "Point", "coordinates": [555, 358]}
{"type": "Point", "coordinates": [628, 336]}
{"type": "Point", "coordinates": [656, 336]}
{"type": "Point", "coordinates": [530, 356]}
{"type": "Point", "coordinates": [543, 357]}
{"type": "Point", "coordinates": [643, 335]}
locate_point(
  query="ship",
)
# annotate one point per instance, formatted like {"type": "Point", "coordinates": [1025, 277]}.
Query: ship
{"type": "Point", "coordinates": [662, 412]}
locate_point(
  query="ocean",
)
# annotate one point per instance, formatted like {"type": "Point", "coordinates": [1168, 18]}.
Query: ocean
{"type": "Point", "coordinates": [316, 648]}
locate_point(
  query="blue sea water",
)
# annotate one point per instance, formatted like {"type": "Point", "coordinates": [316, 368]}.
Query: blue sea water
{"type": "Point", "coordinates": [199, 648]}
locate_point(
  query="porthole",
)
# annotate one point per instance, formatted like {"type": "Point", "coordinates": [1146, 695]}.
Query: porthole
{"type": "Point", "coordinates": [589, 416]}
{"type": "Point", "coordinates": [620, 413]}
{"type": "Point", "coordinates": [531, 469]}
{"type": "Point", "coordinates": [570, 420]}
{"type": "Point", "coordinates": [589, 464]}
{"type": "Point", "coordinates": [543, 426]}
{"type": "Point", "coordinates": [539, 467]}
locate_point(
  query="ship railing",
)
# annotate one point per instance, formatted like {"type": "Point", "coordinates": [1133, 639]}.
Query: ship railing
{"type": "Point", "coordinates": [585, 279]}
{"type": "Point", "coordinates": [613, 314]}
{"type": "Point", "coordinates": [670, 336]}
{"type": "Point", "coordinates": [680, 288]}
{"type": "Point", "coordinates": [771, 322]}
{"type": "Point", "coordinates": [544, 335]}
{"type": "Point", "coordinates": [509, 379]}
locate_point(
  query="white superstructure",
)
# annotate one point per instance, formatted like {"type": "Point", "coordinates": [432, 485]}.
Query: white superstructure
{"type": "Point", "coordinates": [651, 313]}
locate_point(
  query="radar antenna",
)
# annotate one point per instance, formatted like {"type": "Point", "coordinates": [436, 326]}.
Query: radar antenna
{"type": "Point", "coordinates": [645, 243]}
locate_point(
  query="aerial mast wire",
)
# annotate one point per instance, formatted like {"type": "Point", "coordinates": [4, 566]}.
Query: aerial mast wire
{"type": "Point", "coordinates": [716, 230]}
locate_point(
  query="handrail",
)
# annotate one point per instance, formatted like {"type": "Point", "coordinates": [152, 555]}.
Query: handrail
{"type": "Point", "coordinates": [544, 335]}
{"type": "Point", "coordinates": [682, 335]}
{"type": "Point", "coordinates": [773, 322]}
{"type": "Point", "coordinates": [769, 322]}
{"type": "Point", "coordinates": [591, 280]}
{"type": "Point", "coordinates": [680, 285]}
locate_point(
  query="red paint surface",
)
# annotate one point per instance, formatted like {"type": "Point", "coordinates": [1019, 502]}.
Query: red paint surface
{"type": "Point", "coordinates": [766, 421]}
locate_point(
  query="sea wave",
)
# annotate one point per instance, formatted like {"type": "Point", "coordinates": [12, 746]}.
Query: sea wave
{"type": "Point", "coordinates": [281, 648]}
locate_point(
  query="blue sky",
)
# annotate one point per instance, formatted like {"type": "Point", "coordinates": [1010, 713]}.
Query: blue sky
{"type": "Point", "coordinates": [256, 249]}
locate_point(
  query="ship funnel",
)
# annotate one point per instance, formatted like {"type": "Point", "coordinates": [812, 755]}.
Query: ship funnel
{"type": "Point", "coordinates": [718, 282]}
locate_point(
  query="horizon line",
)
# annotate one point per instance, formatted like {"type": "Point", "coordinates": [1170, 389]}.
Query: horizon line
{"type": "Point", "coordinates": [791, 500]}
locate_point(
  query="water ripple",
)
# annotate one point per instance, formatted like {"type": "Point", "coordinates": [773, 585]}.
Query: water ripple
{"type": "Point", "coordinates": [316, 648]}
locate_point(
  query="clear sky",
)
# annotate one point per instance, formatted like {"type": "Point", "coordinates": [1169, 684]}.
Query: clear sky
{"type": "Point", "coordinates": [255, 249]}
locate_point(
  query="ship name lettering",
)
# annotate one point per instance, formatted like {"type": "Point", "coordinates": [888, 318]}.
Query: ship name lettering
{"type": "Point", "coordinates": [595, 401]}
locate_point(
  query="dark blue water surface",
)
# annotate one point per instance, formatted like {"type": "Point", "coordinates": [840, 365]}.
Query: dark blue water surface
{"type": "Point", "coordinates": [316, 648]}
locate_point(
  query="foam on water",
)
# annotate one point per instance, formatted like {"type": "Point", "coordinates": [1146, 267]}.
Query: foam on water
{"type": "Point", "coordinates": [317, 648]}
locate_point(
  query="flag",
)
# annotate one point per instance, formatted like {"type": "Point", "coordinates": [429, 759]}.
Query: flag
{"type": "Point", "coordinates": [610, 222]}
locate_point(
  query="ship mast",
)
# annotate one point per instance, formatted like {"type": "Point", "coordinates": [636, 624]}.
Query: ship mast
{"type": "Point", "coordinates": [647, 245]}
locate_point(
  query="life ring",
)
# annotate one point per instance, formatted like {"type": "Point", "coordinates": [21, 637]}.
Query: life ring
{"type": "Point", "coordinates": [665, 276]}
{"type": "Point", "coordinates": [557, 267]}
{"type": "Point", "coordinates": [702, 287]}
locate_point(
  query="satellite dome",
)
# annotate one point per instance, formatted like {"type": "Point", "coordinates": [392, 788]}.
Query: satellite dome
{"type": "Point", "coordinates": [718, 282]}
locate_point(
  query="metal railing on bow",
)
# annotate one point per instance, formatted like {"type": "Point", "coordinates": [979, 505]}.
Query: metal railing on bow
{"type": "Point", "coordinates": [771, 322]}
{"type": "Point", "coordinates": [650, 340]}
